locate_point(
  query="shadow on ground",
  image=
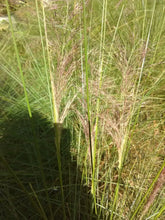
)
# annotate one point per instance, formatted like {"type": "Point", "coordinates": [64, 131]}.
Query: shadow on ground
{"type": "Point", "coordinates": [29, 174]}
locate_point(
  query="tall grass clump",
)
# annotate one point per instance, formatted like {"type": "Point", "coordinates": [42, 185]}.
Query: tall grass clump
{"type": "Point", "coordinates": [83, 110]}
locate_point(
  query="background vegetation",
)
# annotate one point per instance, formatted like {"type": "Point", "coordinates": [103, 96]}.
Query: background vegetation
{"type": "Point", "coordinates": [83, 110]}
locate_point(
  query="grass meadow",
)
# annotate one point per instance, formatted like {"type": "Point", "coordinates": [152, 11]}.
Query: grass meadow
{"type": "Point", "coordinates": [83, 110]}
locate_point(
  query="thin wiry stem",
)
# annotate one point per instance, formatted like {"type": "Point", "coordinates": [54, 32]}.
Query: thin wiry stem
{"type": "Point", "coordinates": [87, 82]}
{"type": "Point", "coordinates": [101, 59]}
{"type": "Point", "coordinates": [44, 56]}
{"type": "Point", "coordinates": [18, 60]}
{"type": "Point", "coordinates": [148, 191]}
{"type": "Point", "coordinates": [57, 125]}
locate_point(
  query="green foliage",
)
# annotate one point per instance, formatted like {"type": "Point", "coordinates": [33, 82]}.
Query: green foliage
{"type": "Point", "coordinates": [82, 105]}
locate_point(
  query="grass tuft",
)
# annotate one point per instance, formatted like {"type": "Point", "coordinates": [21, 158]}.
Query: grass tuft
{"type": "Point", "coordinates": [82, 106]}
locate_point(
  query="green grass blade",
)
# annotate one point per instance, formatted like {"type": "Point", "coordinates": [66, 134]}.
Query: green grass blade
{"type": "Point", "coordinates": [101, 60]}
{"type": "Point", "coordinates": [148, 192]}
{"type": "Point", "coordinates": [160, 212]}
{"type": "Point", "coordinates": [87, 81]}
{"type": "Point", "coordinates": [18, 60]}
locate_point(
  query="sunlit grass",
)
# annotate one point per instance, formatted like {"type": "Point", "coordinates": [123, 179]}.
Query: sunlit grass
{"type": "Point", "coordinates": [90, 75]}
